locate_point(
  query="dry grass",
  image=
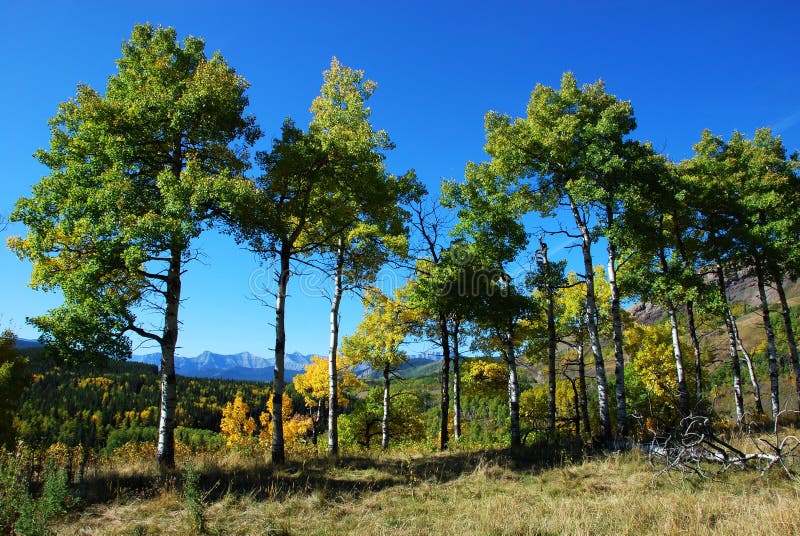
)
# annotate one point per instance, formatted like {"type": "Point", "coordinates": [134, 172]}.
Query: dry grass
{"type": "Point", "coordinates": [466, 494]}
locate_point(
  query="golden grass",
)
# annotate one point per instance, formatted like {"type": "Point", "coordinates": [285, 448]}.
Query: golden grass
{"type": "Point", "coordinates": [440, 494]}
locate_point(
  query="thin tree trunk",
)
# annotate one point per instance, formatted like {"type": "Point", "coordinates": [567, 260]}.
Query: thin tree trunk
{"type": "Point", "coordinates": [683, 392]}
{"type": "Point", "coordinates": [315, 420]}
{"type": "Point", "coordinates": [551, 342]}
{"type": "Point", "coordinates": [748, 361]}
{"type": "Point", "coordinates": [576, 403]}
{"type": "Point", "coordinates": [616, 321]}
{"type": "Point", "coordinates": [278, 454]}
{"type": "Point", "coordinates": [165, 453]}
{"type": "Point", "coordinates": [787, 326]}
{"type": "Point", "coordinates": [772, 353]}
{"type": "Point", "coordinates": [604, 433]}
{"type": "Point", "coordinates": [513, 390]}
{"type": "Point", "coordinates": [582, 388]}
{"type": "Point", "coordinates": [690, 323]}
{"type": "Point", "coordinates": [734, 354]}
{"type": "Point", "coordinates": [333, 402]}
{"type": "Point", "coordinates": [385, 418]}
{"type": "Point", "coordinates": [698, 365]}
{"type": "Point", "coordinates": [456, 383]}
{"type": "Point", "coordinates": [445, 386]}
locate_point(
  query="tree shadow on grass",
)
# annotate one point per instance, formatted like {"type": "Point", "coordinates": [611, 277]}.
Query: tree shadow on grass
{"type": "Point", "coordinates": [343, 478]}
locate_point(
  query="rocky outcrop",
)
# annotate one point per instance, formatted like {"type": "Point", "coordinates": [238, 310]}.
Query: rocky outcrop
{"type": "Point", "coordinates": [741, 288]}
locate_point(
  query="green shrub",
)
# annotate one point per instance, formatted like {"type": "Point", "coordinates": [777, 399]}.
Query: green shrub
{"type": "Point", "coordinates": [196, 439]}
{"type": "Point", "coordinates": [20, 512]}
{"type": "Point", "coordinates": [193, 499]}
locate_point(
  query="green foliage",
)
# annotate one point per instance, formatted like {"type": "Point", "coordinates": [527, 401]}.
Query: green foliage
{"type": "Point", "coordinates": [21, 512]}
{"type": "Point", "coordinates": [485, 421]}
{"type": "Point", "coordinates": [362, 426]}
{"type": "Point", "coordinates": [14, 378]}
{"type": "Point", "coordinates": [364, 216]}
{"type": "Point", "coordinates": [93, 407]}
{"type": "Point", "coordinates": [193, 500]}
{"type": "Point", "coordinates": [197, 440]}
{"type": "Point", "coordinates": [13, 488]}
{"type": "Point", "coordinates": [134, 177]}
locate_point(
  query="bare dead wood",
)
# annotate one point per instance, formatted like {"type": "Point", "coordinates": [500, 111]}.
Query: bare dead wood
{"type": "Point", "coordinates": [696, 449]}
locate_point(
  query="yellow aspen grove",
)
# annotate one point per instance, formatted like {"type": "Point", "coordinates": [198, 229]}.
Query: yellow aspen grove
{"type": "Point", "coordinates": [237, 426]}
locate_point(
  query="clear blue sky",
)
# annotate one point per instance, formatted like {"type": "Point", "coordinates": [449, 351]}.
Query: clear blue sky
{"type": "Point", "coordinates": [440, 67]}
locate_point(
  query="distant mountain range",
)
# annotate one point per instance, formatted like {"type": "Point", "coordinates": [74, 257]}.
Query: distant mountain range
{"type": "Point", "coordinates": [249, 367]}
{"type": "Point", "coordinates": [246, 366]}
{"type": "Point", "coordinates": [22, 344]}
{"type": "Point", "coordinates": [241, 366]}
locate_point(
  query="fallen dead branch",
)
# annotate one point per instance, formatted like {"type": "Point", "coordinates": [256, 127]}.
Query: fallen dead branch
{"type": "Point", "coordinates": [698, 450]}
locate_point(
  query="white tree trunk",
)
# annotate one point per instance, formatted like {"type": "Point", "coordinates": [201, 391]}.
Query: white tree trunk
{"type": "Point", "coordinates": [604, 434]}
{"type": "Point", "coordinates": [616, 323]}
{"type": "Point", "coordinates": [445, 384]}
{"type": "Point", "coordinates": [333, 402]}
{"type": "Point", "coordinates": [456, 384]}
{"type": "Point", "coordinates": [734, 354]}
{"type": "Point", "coordinates": [385, 418]}
{"type": "Point", "coordinates": [772, 353]}
{"type": "Point", "coordinates": [751, 371]}
{"type": "Point", "coordinates": [165, 453]}
{"type": "Point", "coordinates": [513, 391]}
{"type": "Point", "coordinates": [278, 453]}
{"type": "Point", "coordinates": [683, 392]}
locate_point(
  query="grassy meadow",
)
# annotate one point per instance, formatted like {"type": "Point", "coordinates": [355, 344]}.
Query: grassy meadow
{"type": "Point", "coordinates": [469, 492]}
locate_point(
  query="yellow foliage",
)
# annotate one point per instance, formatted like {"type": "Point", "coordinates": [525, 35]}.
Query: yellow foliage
{"type": "Point", "coordinates": [100, 383]}
{"type": "Point", "coordinates": [58, 453]}
{"type": "Point", "coordinates": [381, 333]}
{"type": "Point", "coordinates": [313, 383]}
{"type": "Point", "coordinates": [650, 348]}
{"type": "Point", "coordinates": [295, 427]}
{"type": "Point", "coordinates": [485, 376]}
{"type": "Point", "coordinates": [148, 414]}
{"type": "Point", "coordinates": [533, 405]}
{"type": "Point", "coordinates": [236, 425]}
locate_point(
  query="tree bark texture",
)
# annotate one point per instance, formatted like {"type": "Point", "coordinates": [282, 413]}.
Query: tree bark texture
{"type": "Point", "coordinates": [165, 452]}
{"type": "Point", "coordinates": [551, 343]}
{"type": "Point", "coordinates": [698, 364]}
{"type": "Point", "coordinates": [787, 326]}
{"type": "Point", "coordinates": [333, 402]}
{"type": "Point", "coordinates": [385, 418]}
{"type": "Point", "coordinates": [278, 453]}
{"type": "Point", "coordinates": [683, 391]}
{"type": "Point", "coordinates": [582, 390]}
{"type": "Point", "coordinates": [619, 356]}
{"type": "Point", "coordinates": [736, 368]}
{"type": "Point", "coordinates": [445, 384]}
{"type": "Point", "coordinates": [513, 390]}
{"type": "Point", "coordinates": [456, 383]}
{"type": "Point", "coordinates": [604, 433]}
{"type": "Point", "coordinates": [772, 353]}
{"type": "Point", "coordinates": [751, 371]}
